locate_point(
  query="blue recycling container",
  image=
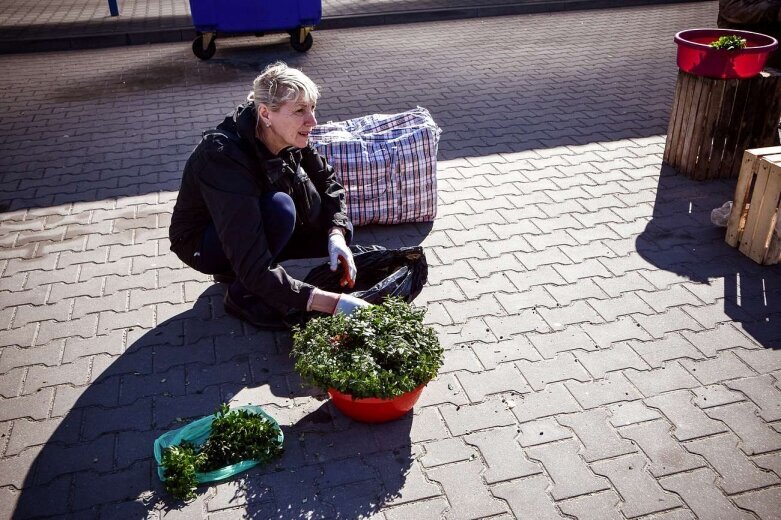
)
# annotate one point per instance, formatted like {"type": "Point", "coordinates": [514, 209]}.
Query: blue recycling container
{"type": "Point", "coordinates": [213, 18]}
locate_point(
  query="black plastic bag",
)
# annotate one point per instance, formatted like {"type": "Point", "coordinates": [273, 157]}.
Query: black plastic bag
{"type": "Point", "coordinates": [381, 272]}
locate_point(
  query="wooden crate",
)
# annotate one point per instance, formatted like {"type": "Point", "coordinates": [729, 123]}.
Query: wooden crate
{"type": "Point", "coordinates": [755, 210]}
{"type": "Point", "coordinates": [714, 120]}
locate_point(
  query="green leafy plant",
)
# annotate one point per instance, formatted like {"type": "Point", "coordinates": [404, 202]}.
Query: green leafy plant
{"type": "Point", "coordinates": [378, 351]}
{"type": "Point", "coordinates": [729, 43]}
{"type": "Point", "coordinates": [235, 436]}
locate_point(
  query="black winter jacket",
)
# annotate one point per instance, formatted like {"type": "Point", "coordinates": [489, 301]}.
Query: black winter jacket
{"type": "Point", "coordinates": [221, 183]}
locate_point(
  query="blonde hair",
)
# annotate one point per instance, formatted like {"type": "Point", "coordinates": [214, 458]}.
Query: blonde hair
{"type": "Point", "coordinates": [278, 84]}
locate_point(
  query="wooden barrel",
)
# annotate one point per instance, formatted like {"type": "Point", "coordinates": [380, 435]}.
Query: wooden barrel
{"type": "Point", "coordinates": [714, 120]}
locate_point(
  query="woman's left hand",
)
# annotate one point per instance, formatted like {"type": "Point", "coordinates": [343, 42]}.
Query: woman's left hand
{"type": "Point", "coordinates": [338, 252]}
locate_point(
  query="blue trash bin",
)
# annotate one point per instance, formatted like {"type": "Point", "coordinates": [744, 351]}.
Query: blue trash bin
{"type": "Point", "coordinates": [213, 18]}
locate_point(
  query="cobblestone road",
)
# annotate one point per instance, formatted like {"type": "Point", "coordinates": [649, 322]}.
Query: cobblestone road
{"type": "Point", "coordinates": [608, 355]}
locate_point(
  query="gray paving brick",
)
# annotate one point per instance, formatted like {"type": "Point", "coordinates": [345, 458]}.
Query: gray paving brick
{"type": "Point", "coordinates": [434, 508]}
{"type": "Point", "coordinates": [763, 503]}
{"type": "Point", "coordinates": [612, 389]}
{"type": "Point", "coordinates": [599, 506]}
{"type": "Point", "coordinates": [542, 431]}
{"type": "Point", "coordinates": [763, 392]}
{"type": "Point", "coordinates": [658, 351]}
{"type": "Point", "coordinates": [468, 497]}
{"type": "Point", "coordinates": [529, 494]}
{"type": "Point", "coordinates": [468, 418]}
{"type": "Point", "coordinates": [673, 296]}
{"type": "Point", "coordinates": [600, 440]}
{"type": "Point", "coordinates": [20, 337]}
{"type": "Point", "coordinates": [544, 275]}
{"type": "Point", "coordinates": [699, 491]}
{"type": "Point", "coordinates": [724, 367]}
{"type": "Point", "coordinates": [456, 270]}
{"type": "Point", "coordinates": [33, 406]}
{"type": "Point", "coordinates": [670, 376]}
{"type": "Point", "coordinates": [762, 361]}
{"type": "Point", "coordinates": [755, 435]}
{"type": "Point", "coordinates": [664, 454]}
{"type": "Point", "coordinates": [633, 412]}
{"type": "Point", "coordinates": [564, 366]}
{"type": "Point", "coordinates": [83, 327]}
{"type": "Point", "coordinates": [690, 421]}
{"type": "Point", "coordinates": [517, 301]}
{"type": "Point", "coordinates": [443, 389]}
{"type": "Point", "coordinates": [503, 456]}
{"type": "Point", "coordinates": [623, 305]}
{"type": "Point", "coordinates": [572, 313]}
{"type": "Point", "coordinates": [28, 313]}
{"type": "Point", "coordinates": [640, 492]}
{"type": "Point", "coordinates": [76, 373]}
{"type": "Point", "coordinates": [675, 319]}
{"type": "Point", "coordinates": [540, 256]}
{"type": "Point", "coordinates": [570, 475]}
{"type": "Point", "coordinates": [549, 345]}
{"type": "Point", "coordinates": [493, 354]}
{"type": "Point", "coordinates": [485, 305]}
{"type": "Point", "coordinates": [409, 486]}
{"type": "Point", "coordinates": [622, 329]}
{"type": "Point", "coordinates": [504, 378]}
{"type": "Point", "coordinates": [554, 399]}
{"type": "Point", "coordinates": [715, 395]}
{"type": "Point", "coordinates": [738, 474]}
{"type": "Point", "coordinates": [619, 357]}
{"type": "Point", "coordinates": [446, 451]}
{"type": "Point", "coordinates": [519, 323]}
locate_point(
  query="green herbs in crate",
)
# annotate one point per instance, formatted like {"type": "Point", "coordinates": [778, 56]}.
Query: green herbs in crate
{"type": "Point", "coordinates": [729, 43]}
{"type": "Point", "coordinates": [378, 351]}
{"type": "Point", "coordinates": [215, 448]}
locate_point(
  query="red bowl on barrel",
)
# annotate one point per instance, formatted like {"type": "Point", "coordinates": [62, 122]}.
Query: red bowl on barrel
{"type": "Point", "coordinates": [695, 55]}
{"type": "Point", "coordinates": [375, 410]}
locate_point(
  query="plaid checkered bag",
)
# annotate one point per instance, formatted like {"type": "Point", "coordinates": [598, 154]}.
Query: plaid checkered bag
{"type": "Point", "coordinates": [387, 164]}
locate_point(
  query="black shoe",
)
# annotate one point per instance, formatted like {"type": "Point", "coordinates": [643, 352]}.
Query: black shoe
{"type": "Point", "coordinates": [228, 277]}
{"type": "Point", "coordinates": [253, 310]}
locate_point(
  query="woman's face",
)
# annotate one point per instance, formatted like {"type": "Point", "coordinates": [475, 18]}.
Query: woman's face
{"type": "Point", "coordinates": [290, 125]}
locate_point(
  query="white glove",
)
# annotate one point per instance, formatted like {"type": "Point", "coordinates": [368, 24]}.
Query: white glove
{"type": "Point", "coordinates": [338, 250]}
{"type": "Point", "coordinates": [347, 304]}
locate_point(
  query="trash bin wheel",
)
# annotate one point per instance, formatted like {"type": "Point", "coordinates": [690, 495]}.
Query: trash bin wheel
{"type": "Point", "coordinates": [202, 53]}
{"type": "Point", "coordinates": [301, 46]}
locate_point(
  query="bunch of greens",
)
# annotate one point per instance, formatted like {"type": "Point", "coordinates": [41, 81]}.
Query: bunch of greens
{"type": "Point", "coordinates": [378, 351]}
{"type": "Point", "coordinates": [235, 436]}
{"type": "Point", "coordinates": [729, 43]}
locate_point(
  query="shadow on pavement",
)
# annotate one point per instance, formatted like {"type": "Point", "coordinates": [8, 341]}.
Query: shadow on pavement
{"type": "Point", "coordinates": [681, 239]}
{"type": "Point", "coordinates": [98, 462]}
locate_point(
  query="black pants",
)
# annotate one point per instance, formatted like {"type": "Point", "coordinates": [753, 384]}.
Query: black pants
{"type": "Point", "coordinates": [286, 241]}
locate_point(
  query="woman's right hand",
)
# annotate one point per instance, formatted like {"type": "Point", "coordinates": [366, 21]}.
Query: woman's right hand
{"type": "Point", "coordinates": [348, 303]}
{"type": "Point", "coordinates": [334, 303]}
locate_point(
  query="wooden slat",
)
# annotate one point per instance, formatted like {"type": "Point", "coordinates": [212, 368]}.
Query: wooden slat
{"type": "Point", "coordinates": [670, 142]}
{"type": "Point", "coordinates": [706, 138]}
{"type": "Point", "coordinates": [742, 195]}
{"type": "Point", "coordinates": [722, 127]}
{"type": "Point", "coordinates": [686, 109]}
{"type": "Point", "coordinates": [702, 112]}
{"type": "Point", "coordinates": [735, 143]}
{"type": "Point", "coordinates": [768, 205]}
{"type": "Point", "coordinates": [684, 164]}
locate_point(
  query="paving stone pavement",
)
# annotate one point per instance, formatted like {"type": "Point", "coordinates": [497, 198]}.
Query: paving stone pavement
{"type": "Point", "coordinates": [607, 354]}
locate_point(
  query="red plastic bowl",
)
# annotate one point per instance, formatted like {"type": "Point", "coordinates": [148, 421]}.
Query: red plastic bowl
{"type": "Point", "coordinates": [696, 56]}
{"type": "Point", "coordinates": [374, 410]}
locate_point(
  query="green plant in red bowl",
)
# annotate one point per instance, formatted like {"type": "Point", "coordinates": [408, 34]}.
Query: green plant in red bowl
{"type": "Point", "coordinates": [723, 53]}
{"type": "Point", "coordinates": [374, 363]}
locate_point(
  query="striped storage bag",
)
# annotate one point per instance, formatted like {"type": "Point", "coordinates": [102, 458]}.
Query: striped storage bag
{"type": "Point", "coordinates": [387, 164]}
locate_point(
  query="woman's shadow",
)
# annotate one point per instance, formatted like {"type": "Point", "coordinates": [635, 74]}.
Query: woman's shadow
{"type": "Point", "coordinates": [98, 462]}
{"type": "Point", "coordinates": [681, 239]}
